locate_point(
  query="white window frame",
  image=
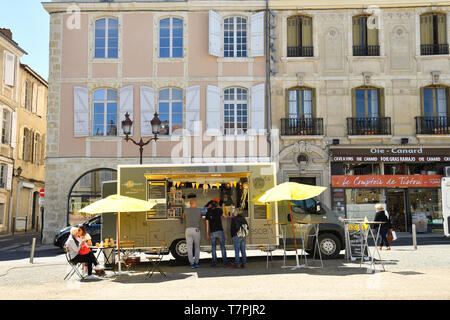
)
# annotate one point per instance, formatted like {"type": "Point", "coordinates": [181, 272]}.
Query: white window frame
{"type": "Point", "coordinates": [170, 101]}
{"type": "Point", "coordinates": [170, 38]}
{"type": "Point", "coordinates": [105, 112]}
{"type": "Point", "coordinates": [106, 56]}
{"type": "Point", "coordinates": [235, 36]}
{"type": "Point", "coordinates": [235, 101]}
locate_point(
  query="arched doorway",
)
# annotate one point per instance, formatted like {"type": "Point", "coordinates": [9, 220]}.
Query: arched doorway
{"type": "Point", "coordinates": [86, 190]}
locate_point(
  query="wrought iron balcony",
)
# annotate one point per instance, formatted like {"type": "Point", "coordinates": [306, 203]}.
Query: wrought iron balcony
{"type": "Point", "coordinates": [431, 49]}
{"type": "Point", "coordinates": [300, 52]}
{"type": "Point", "coordinates": [366, 50]}
{"type": "Point", "coordinates": [433, 125]}
{"type": "Point", "coordinates": [301, 126]}
{"type": "Point", "coordinates": [369, 126]}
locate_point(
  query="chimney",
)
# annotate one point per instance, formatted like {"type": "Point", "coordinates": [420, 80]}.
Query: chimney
{"type": "Point", "coordinates": [6, 32]}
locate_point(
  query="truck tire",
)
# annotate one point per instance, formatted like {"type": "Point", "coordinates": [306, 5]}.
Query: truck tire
{"type": "Point", "coordinates": [179, 251]}
{"type": "Point", "coordinates": [330, 246]}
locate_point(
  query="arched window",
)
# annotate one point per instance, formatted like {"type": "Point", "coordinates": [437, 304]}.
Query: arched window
{"type": "Point", "coordinates": [235, 111]}
{"type": "Point", "coordinates": [86, 190]}
{"type": "Point", "coordinates": [299, 37]}
{"type": "Point", "coordinates": [171, 38]}
{"type": "Point", "coordinates": [105, 113]}
{"type": "Point", "coordinates": [170, 110]}
{"type": "Point", "coordinates": [235, 37]}
{"type": "Point", "coordinates": [433, 34]}
{"type": "Point", "coordinates": [365, 38]}
{"type": "Point", "coordinates": [107, 38]}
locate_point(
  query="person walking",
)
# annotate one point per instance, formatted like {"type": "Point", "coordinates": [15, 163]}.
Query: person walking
{"type": "Point", "coordinates": [214, 232]}
{"type": "Point", "coordinates": [383, 216]}
{"type": "Point", "coordinates": [239, 231]}
{"type": "Point", "coordinates": [193, 236]}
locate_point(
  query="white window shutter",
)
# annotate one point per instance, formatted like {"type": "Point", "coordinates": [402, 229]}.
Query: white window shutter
{"type": "Point", "coordinates": [9, 68]}
{"type": "Point", "coordinates": [212, 111]}
{"type": "Point", "coordinates": [14, 130]}
{"type": "Point", "coordinates": [215, 33]}
{"type": "Point", "coordinates": [257, 35]}
{"type": "Point", "coordinates": [147, 97]}
{"type": "Point", "coordinates": [80, 112]}
{"type": "Point", "coordinates": [126, 105]}
{"type": "Point", "coordinates": [257, 109]}
{"type": "Point", "coordinates": [193, 125]}
{"type": "Point", "coordinates": [9, 176]}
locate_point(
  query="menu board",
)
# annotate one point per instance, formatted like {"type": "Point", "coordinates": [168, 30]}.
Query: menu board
{"type": "Point", "coordinates": [356, 241]}
{"type": "Point", "coordinates": [156, 191]}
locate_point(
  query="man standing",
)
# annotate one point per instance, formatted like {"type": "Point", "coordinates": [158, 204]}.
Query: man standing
{"type": "Point", "coordinates": [214, 231]}
{"type": "Point", "coordinates": [193, 237]}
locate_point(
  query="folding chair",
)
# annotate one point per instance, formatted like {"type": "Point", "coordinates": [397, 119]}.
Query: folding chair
{"type": "Point", "coordinates": [156, 258]}
{"type": "Point", "coordinates": [75, 266]}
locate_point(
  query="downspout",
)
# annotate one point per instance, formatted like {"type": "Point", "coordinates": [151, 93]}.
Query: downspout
{"type": "Point", "coordinates": [267, 93]}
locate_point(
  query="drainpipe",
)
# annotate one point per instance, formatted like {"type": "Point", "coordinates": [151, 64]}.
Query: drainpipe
{"type": "Point", "coordinates": [267, 93]}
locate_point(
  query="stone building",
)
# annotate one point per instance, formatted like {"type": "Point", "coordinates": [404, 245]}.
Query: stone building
{"type": "Point", "coordinates": [361, 89]}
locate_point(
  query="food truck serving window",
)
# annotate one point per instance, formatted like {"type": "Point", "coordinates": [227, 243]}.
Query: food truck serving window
{"type": "Point", "coordinates": [156, 191]}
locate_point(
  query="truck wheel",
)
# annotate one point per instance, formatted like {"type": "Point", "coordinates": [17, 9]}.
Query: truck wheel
{"type": "Point", "coordinates": [330, 246]}
{"type": "Point", "coordinates": [179, 250]}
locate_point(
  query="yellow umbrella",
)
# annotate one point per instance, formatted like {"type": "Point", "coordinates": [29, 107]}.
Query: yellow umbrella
{"type": "Point", "coordinates": [290, 191]}
{"type": "Point", "coordinates": [118, 203]}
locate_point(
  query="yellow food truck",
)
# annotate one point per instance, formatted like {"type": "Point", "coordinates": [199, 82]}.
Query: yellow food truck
{"type": "Point", "coordinates": [172, 186]}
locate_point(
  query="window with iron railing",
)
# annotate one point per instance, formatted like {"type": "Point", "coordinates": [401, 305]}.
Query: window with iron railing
{"type": "Point", "coordinates": [433, 34]}
{"type": "Point", "coordinates": [365, 39]}
{"type": "Point", "coordinates": [299, 37]}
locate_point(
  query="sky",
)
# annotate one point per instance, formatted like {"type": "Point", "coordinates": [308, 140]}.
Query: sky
{"type": "Point", "coordinates": [29, 24]}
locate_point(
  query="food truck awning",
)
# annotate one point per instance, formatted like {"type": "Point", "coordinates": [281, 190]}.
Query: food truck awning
{"type": "Point", "coordinates": [198, 176]}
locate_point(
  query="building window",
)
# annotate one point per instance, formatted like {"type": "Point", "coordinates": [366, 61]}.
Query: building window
{"type": "Point", "coordinates": [107, 38]}
{"type": "Point", "coordinates": [235, 111]}
{"type": "Point", "coordinates": [27, 96]}
{"type": "Point", "coordinates": [37, 149]}
{"type": "Point", "coordinates": [170, 110]}
{"type": "Point", "coordinates": [6, 127]}
{"type": "Point", "coordinates": [435, 102]}
{"type": "Point", "coordinates": [299, 37]}
{"type": "Point", "coordinates": [433, 34]}
{"type": "Point", "coordinates": [300, 103]}
{"type": "Point", "coordinates": [367, 103]}
{"type": "Point", "coordinates": [235, 37]}
{"type": "Point", "coordinates": [105, 113]}
{"type": "Point", "coordinates": [171, 38]}
{"type": "Point", "coordinates": [3, 176]}
{"type": "Point", "coordinates": [26, 147]}
{"type": "Point", "coordinates": [365, 40]}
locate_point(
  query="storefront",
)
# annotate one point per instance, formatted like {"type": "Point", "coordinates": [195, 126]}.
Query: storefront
{"type": "Point", "coordinates": [406, 179]}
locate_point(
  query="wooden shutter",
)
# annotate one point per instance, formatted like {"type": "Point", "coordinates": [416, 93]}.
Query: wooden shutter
{"type": "Point", "coordinates": [257, 110]}
{"type": "Point", "coordinates": [257, 34]}
{"type": "Point", "coordinates": [147, 98]}
{"type": "Point", "coordinates": [215, 33]}
{"type": "Point", "coordinates": [372, 35]}
{"type": "Point", "coordinates": [292, 32]}
{"type": "Point", "coordinates": [306, 32]}
{"type": "Point", "coordinates": [126, 105]}
{"type": "Point", "coordinates": [357, 31]}
{"type": "Point", "coordinates": [212, 111]}
{"type": "Point", "coordinates": [9, 68]}
{"type": "Point", "coordinates": [441, 29]}
{"type": "Point", "coordinates": [80, 112]}
{"type": "Point", "coordinates": [193, 125]}
{"type": "Point", "coordinates": [14, 129]}
{"type": "Point", "coordinates": [426, 29]}
{"type": "Point", "coordinates": [9, 176]}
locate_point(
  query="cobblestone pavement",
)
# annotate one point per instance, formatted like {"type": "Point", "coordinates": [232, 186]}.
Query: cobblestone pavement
{"type": "Point", "coordinates": [421, 274]}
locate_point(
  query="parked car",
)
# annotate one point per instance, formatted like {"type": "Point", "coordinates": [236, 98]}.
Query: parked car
{"type": "Point", "coordinates": [93, 227]}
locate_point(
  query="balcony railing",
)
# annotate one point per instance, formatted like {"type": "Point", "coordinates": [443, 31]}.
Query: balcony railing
{"type": "Point", "coordinates": [300, 51]}
{"type": "Point", "coordinates": [433, 125]}
{"type": "Point", "coordinates": [366, 50]}
{"type": "Point", "coordinates": [301, 126]}
{"type": "Point", "coordinates": [430, 49]}
{"type": "Point", "coordinates": [369, 126]}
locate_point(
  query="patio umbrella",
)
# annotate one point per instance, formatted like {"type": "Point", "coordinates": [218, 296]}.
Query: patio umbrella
{"type": "Point", "coordinates": [290, 191]}
{"type": "Point", "coordinates": [118, 203]}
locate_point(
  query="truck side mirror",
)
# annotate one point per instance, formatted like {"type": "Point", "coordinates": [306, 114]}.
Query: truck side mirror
{"type": "Point", "coordinates": [318, 208]}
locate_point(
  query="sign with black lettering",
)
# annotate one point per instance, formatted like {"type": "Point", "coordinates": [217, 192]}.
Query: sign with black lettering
{"type": "Point", "coordinates": [355, 241]}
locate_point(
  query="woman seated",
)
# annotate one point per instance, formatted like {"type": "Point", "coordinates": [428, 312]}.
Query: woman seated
{"type": "Point", "coordinates": [74, 244]}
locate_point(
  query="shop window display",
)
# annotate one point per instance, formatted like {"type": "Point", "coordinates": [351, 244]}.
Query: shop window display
{"type": "Point", "coordinates": [426, 209]}
{"type": "Point", "coordinates": [360, 203]}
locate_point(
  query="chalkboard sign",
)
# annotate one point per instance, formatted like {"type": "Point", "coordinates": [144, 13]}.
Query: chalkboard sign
{"type": "Point", "coordinates": [157, 193]}
{"type": "Point", "coordinates": [355, 241]}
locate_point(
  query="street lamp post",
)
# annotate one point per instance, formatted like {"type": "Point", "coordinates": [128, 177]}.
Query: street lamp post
{"type": "Point", "coordinates": [126, 127]}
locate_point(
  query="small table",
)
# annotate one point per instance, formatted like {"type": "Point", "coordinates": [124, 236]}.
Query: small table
{"type": "Point", "coordinates": [269, 248]}
{"type": "Point", "coordinates": [108, 255]}
{"type": "Point", "coordinates": [315, 225]}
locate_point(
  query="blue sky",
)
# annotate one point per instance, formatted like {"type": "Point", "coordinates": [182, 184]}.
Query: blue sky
{"type": "Point", "coordinates": [29, 23]}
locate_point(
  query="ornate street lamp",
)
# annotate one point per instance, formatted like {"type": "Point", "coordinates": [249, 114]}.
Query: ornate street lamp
{"type": "Point", "coordinates": [128, 123]}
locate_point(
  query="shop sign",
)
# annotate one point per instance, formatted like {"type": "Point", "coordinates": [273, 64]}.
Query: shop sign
{"type": "Point", "coordinates": [394, 154]}
{"type": "Point", "coordinates": [386, 181]}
